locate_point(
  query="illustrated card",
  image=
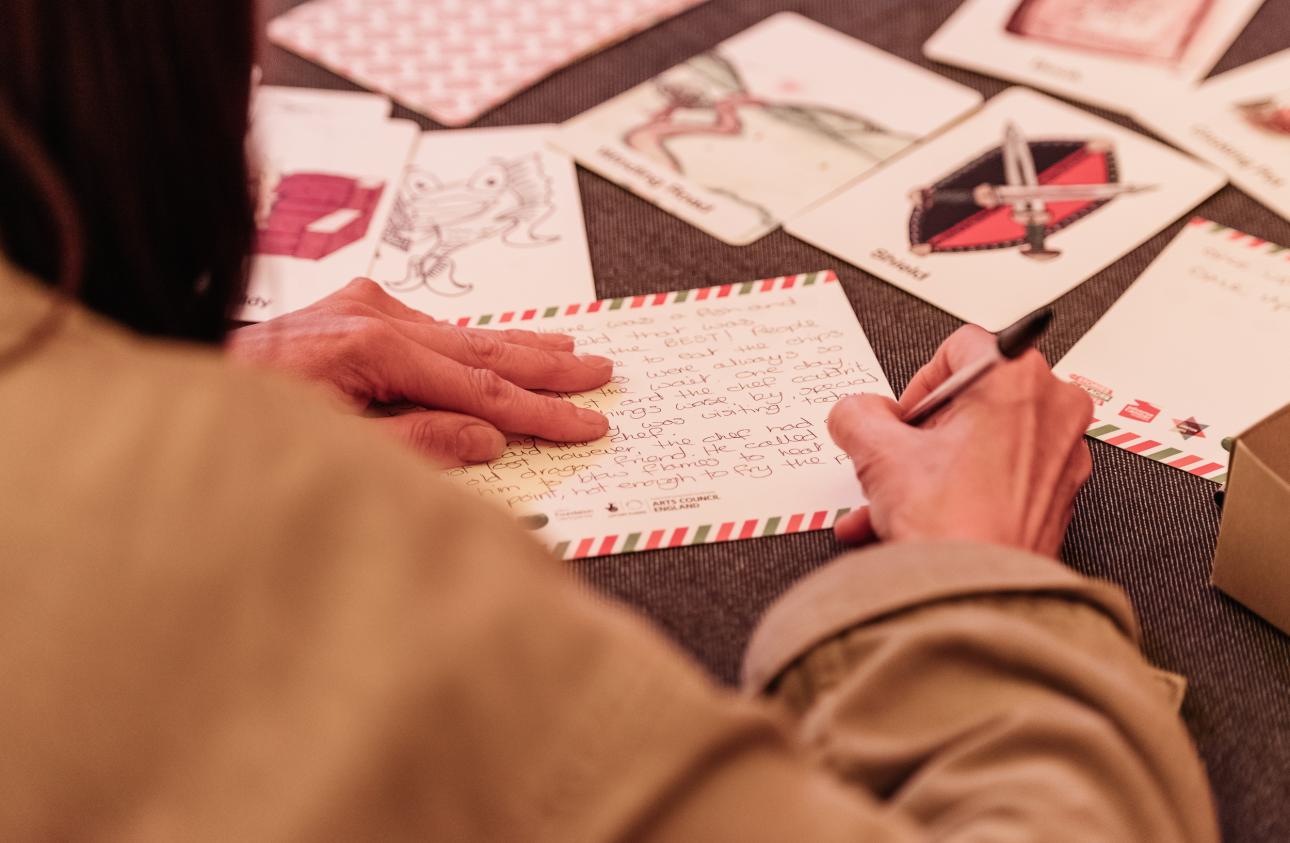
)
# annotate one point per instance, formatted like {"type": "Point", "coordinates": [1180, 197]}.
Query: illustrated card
{"type": "Point", "coordinates": [1193, 352]}
{"type": "Point", "coordinates": [453, 60]}
{"type": "Point", "coordinates": [1010, 209]}
{"type": "Point", "coordinates": [325, 191]}
{"type": "Point", "coordinates": [717, 411]}
{"type": "Point", "coordinates": [740, 138]}
{"type": "Point", "coordinates": [1115, 54]}
{"type": "Point", "coordinates": [277, 102]}
{"type": "Point", "coordinates": [1239, 121]}
{"type": "Point", "coordinates": [486, 219]}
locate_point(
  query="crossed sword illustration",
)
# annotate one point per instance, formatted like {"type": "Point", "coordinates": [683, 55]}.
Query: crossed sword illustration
{"type": "Point", "coordinates": [1029, 199]}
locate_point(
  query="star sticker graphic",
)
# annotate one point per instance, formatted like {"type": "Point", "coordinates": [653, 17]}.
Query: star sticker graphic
{"type": "Point", "coordinates": [1189, 427]}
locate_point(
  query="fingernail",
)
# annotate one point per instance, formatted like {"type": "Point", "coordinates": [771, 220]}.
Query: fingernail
{"type": "Point", "coordinates": [590, 416]}
{"type": "Point", "coordinates": [477, 442]}
{"type": "Point", "coordinates": [596, 360]}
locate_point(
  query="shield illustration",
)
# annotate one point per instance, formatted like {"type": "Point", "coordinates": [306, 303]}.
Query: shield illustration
{"type": "Point", "coordinates": [963, 212]}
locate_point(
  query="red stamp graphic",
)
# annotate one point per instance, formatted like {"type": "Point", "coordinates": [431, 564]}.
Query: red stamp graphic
{"type": "Point", "coordinates": [1141, 411]}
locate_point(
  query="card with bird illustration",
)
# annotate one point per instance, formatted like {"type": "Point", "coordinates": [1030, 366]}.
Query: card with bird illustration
{"type": "Point", "coordinates": [486, 220]}
{"type": "Point", "coordinates": [737, 139]}
{"type": "Point", "coordinates": [1010, 209]}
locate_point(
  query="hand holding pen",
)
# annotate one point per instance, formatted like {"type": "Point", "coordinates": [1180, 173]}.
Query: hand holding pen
{"type": "Point", "coordinates": [1000, 463]}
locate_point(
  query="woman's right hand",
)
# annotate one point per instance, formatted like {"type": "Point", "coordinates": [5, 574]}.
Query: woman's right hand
{"type": "Point", "coordinates": [1000, 464]}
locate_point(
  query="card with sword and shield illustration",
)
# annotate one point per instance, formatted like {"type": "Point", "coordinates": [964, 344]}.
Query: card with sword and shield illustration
{"type": "Point", "coordinates": [1010, 209]}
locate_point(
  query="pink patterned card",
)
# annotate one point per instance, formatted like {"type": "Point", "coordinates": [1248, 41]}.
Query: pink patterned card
{"type": "Point", "coordinates": [453, 60]}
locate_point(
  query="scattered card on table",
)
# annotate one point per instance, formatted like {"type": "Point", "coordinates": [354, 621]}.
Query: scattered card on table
{"type": "Point", "coordinates": [308, 103]}
{"type": "Point", "coordinates": [1010, 209]}
{"type": "Point", "coordinates": [738, 139]}
{"type": "Point", "coordinates": [1239, 121]}
{"type": "Point", "coordinates": [325, 191]}
{"type": "Point", "coordinates": [453, 60]}
{"type": "Point", "coordinates": [1112, 53]}
{"type": "Point", "coordinates": [1193, 352]}
{"type": "Point", "coordinates": [718, 415]}
{"type": "Point", "coordinates": [486, 220]}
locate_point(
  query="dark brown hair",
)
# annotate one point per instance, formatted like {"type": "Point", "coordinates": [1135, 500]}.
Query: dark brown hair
{"type": "Point", "coordinates": [123, 171]}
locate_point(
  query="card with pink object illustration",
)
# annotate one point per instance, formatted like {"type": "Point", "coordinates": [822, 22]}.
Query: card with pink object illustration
{"type": "Point", "coordinates": [740, 138]}
{"type": "Point", "coordinates": [1116, 54]}
{"type": "Point", "coordinates": [1191, 354]}
{"type": "Point", "coordinates": [1240, 122]}
{"type": "Point", "coordinates": [325, 189]}
{"type": "Point", "coordinates": [453, 60]}
{"type": "Point", "coordinates": [486, 220]}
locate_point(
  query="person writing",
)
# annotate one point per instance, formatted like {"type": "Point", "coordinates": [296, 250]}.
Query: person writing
{"type": "Point", "coordinates": [230, 609]}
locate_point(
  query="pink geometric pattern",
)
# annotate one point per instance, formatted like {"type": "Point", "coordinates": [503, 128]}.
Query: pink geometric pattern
{"type": "Point", "coordinates": [455, 59]}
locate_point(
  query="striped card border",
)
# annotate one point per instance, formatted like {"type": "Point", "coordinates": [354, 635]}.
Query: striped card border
{"type": "Point", "coordinates": [752, 528]}
{"type": "Point", "coordinates": [1153, 449]}
{"type": "Point", "coordinates": [1237, 236]}
{"type": "Point", "coordinates": [719, 291]}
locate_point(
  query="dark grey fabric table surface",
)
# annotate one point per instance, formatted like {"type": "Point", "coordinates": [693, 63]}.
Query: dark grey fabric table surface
{"type": "Point", "coordinates": [1147, 527]}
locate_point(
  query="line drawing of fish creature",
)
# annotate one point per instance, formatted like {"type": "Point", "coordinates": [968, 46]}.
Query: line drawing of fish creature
{"type": "Point", "coordinates": [433, 220]}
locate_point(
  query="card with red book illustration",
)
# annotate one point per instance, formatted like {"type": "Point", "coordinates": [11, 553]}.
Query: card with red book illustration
{"type": "Point", "coordinates": [326, 186]}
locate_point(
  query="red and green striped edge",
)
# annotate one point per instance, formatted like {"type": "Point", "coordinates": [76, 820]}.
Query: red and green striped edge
{"type": "Point", "coordinates": [720, 291]}
{"type": "Point", "coordinates": [777, 525]}
{"type": "Point", "coordinates": [1237, 236]}
{"type": "Point", "coordinates": [1153, 450]}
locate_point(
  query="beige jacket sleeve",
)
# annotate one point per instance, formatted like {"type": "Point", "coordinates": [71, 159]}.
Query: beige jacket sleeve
{"type": "Point", "coordinates": [228, 614]}
{"type": "Point", "coordinates": [983, 694]}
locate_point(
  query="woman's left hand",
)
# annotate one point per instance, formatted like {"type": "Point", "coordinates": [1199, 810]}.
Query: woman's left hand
{"type": "Point", "coordinates": [367, 346]}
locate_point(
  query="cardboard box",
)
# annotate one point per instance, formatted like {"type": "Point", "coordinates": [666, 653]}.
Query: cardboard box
{"type": "Point", "coordinates": [1252, 561]}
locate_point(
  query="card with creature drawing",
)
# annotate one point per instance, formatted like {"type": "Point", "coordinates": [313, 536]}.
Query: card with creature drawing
{"type": "Point", "coordinates": [1010, 209]}
{"type": "Point", "coordinates": [486, 220]}
{"type": "Point", "coordinates": [738, 139]}
{"type": "Point", "coordinates": [1239, 121]}
{"type": "Point", "coordinates": [1115, 54]}
{"type": "Point", "coordinates": [326, 187]}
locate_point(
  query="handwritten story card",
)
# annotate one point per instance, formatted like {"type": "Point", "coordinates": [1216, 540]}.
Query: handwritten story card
{"type": "Point", "coordinates": [1009, 209]}
{"type": "Point", "coordinates": [738, 139]}
{"type": "Point", "coordinates": [1239, 121]}
{"type": "Point", "coordinates": [486, 219]}
{"type": "Point", "coordinates": [1193, 353]}
{"type": "Point", "coordinates": [717, 412]}
{"type": "Point", "coordinates": [1115, 54]}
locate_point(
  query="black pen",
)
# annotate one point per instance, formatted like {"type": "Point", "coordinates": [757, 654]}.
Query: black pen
{"type": "Point", "coordinates": [1011, 343]}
